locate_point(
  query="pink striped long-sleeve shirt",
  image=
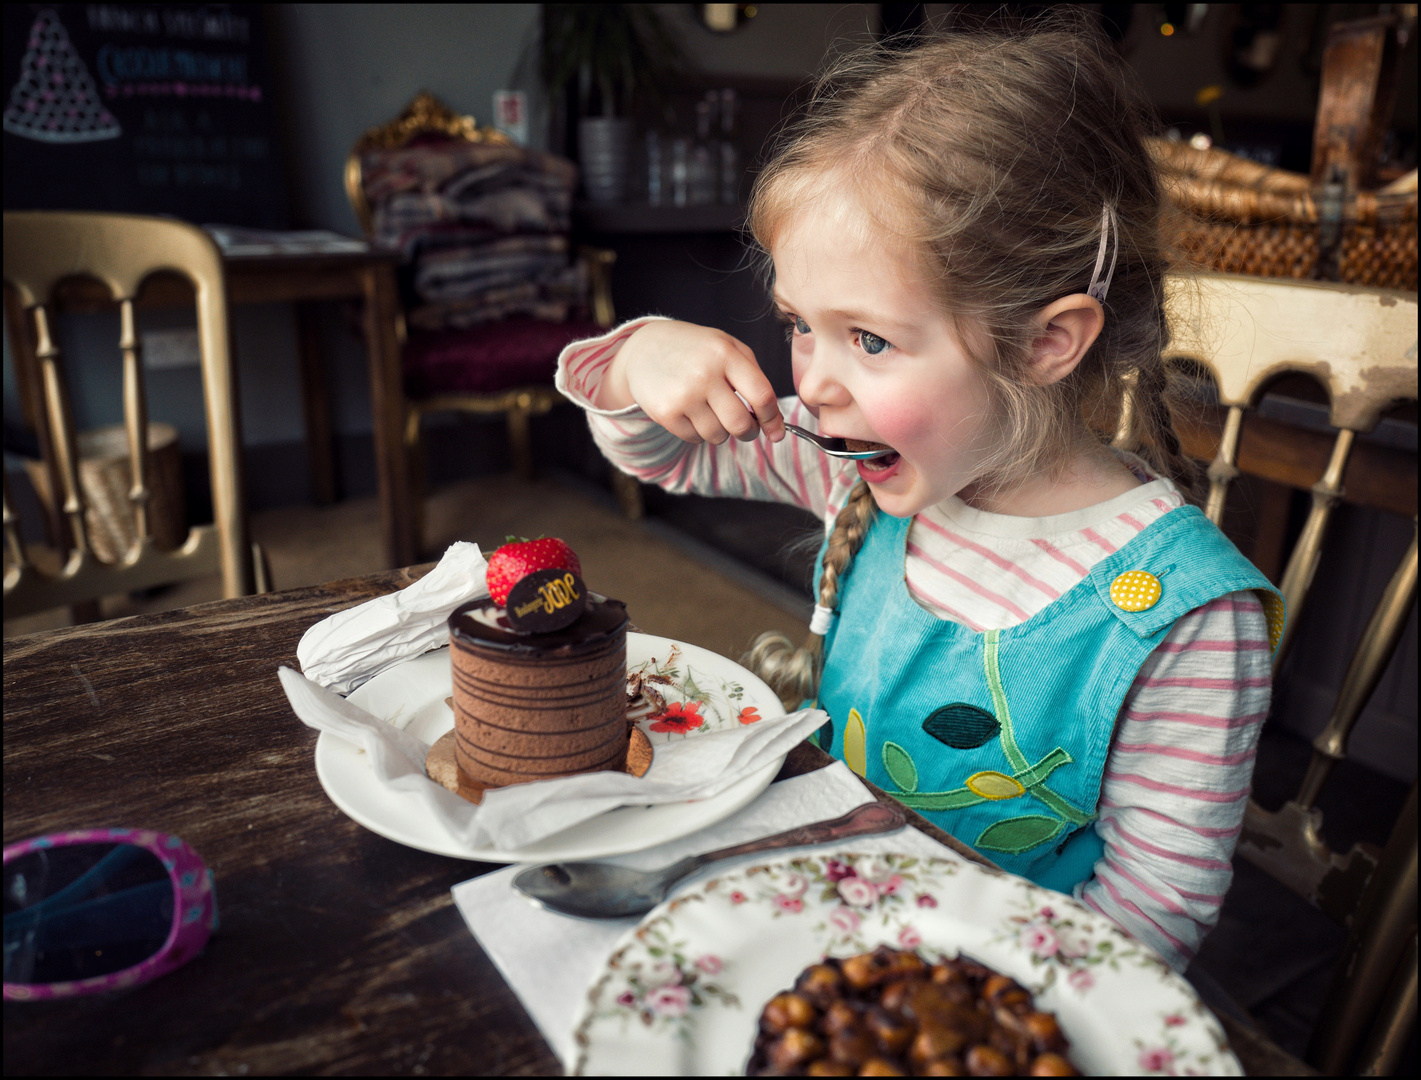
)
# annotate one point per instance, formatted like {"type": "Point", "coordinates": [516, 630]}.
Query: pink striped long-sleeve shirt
{"type": "Point", "coordinates": [1178, 775]}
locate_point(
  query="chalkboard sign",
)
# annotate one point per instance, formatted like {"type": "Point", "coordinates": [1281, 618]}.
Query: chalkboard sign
{"type": "Point", "coordinates": [155, 109]}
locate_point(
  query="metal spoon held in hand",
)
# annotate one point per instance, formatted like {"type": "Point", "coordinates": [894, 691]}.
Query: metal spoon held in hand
{"type": "Point", "coordinates": [592, 890]}
{"type": "Point", "coordinates": [836, 447]}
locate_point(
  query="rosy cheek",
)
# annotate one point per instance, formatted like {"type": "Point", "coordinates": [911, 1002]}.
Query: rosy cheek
{"type": "Point", "coordinates": [903, 423]}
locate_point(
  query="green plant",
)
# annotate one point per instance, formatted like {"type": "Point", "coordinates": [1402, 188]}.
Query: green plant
{"type": "Point", "coordinates": [611, 55]}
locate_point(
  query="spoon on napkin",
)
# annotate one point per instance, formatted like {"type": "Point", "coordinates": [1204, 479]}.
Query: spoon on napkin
{"type": "Point", "coordinates": [594, 890]}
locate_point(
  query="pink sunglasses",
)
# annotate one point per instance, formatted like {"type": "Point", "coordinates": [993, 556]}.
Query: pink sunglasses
{"type": "Point", "coordinates": [100, 909]}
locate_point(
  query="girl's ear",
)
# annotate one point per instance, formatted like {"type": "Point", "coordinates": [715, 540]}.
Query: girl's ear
{"type": "Point", "coordinates": [1068, 328]}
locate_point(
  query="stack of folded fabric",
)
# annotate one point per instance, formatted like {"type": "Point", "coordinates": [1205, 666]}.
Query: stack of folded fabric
{"type": "Point", "coordinates": [485, 228]}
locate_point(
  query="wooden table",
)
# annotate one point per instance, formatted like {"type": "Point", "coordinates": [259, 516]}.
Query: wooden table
{"type": "Point", "coordinates": [339, 951]}
{"type": "Point", "coordinates": [302, 279]}
{"type": "Point", "coordinates": [369, 277]}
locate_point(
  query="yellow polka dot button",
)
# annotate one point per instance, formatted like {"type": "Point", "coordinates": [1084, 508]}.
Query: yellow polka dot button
{"type": "Point", "coordinates": [1135, 590]}
{"type": "Point", "coordinates": [1273, 609]}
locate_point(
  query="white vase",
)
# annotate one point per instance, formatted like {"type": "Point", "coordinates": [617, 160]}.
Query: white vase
{"type": "Point", "coordinates": [604, 150]}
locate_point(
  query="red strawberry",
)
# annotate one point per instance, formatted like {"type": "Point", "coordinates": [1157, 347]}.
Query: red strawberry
{"type": "Point", "coordinates": [511, 563]}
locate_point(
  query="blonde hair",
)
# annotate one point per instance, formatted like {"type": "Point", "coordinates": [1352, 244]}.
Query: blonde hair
{"type": "Point", "coordinates": [794, 673]}
{"type": "Point", "coordinates": [991, 155]}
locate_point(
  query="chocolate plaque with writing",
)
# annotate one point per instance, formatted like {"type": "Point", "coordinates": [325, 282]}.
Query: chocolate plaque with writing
{"type": "Point", "coordinates": [546, 600]}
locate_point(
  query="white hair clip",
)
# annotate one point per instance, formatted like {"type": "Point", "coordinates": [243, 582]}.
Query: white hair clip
{"type": "Point", "coordinates": [823, 619]}
{"type": "Point", "coordinates": [1109, 229]}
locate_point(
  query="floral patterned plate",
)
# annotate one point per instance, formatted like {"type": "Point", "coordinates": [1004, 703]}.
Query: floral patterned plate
{"type": "Point", "coordinates": [689, 691]}
{"type": "Point", "coordinates": [682, 993]}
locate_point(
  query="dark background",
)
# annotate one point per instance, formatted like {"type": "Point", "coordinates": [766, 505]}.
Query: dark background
{"type": "Point", "coordinates": [190, 90]}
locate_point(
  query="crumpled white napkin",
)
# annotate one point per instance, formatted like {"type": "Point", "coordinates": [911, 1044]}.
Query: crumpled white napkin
{"type": "Point", "coordinates": [396, 756]}
{"type": "Point", "coordinates": [354, 645]}
{"type": "Point", "coordinates": [349, 647]}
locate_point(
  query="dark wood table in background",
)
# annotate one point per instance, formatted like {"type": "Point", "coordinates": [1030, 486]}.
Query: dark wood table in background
{"type": "Point", "coordinates": [339, 951]}
{"type": "Point", "coordinates": [367, 277]}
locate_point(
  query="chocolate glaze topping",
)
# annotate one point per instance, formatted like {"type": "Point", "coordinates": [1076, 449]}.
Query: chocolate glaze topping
{"type": "Point", "coordinates": [603, 620]}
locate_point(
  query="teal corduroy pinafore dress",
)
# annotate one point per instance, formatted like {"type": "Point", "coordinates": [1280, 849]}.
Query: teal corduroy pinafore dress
{"type": "Point", "coordinates": [1001, 737]}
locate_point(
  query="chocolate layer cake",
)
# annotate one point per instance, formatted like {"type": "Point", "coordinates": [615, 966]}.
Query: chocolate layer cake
{"type": "Point", "coordinates": [535, 706]}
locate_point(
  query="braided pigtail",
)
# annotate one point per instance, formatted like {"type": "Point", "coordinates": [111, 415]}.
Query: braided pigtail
{"type": "Point", "coordinates": [794, 673]}
{"type": "Point", "coordinates": [1154, 432]}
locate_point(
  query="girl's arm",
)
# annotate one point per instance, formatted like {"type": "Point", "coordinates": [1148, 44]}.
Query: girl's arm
{"type": "Point", "coordinates": [1178, 777]}
{"type": "Point", "coordinates": [787, 471]}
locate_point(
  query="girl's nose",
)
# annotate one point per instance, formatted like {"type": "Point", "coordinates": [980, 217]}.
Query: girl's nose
{"type": "Point", "coordinates": [816, 382]}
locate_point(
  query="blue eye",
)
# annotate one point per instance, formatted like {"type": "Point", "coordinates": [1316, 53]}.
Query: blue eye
{"type": "Point", "coordinates": [872, 343]}
{"type": "Point", "coordinates": [800, 325]}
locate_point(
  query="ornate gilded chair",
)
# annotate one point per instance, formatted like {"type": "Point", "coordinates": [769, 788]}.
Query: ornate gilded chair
{"type": "Point", "coordinates": [501, 365]}
{"type": "Point", "coordinates": [43, 251]}
{"type": "Point", "coordinates": [1360, 346]}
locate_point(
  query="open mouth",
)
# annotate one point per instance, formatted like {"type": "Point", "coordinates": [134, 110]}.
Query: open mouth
{"type": "Point", "coordinates": [877, 464]}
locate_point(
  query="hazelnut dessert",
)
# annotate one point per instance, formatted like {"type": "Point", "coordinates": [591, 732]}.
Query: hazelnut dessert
{"type": "Point", "coordinates": [892, 1013]}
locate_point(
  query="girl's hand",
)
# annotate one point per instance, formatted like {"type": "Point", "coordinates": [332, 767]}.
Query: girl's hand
{"type": "Point", "coordinates": [685, 377]}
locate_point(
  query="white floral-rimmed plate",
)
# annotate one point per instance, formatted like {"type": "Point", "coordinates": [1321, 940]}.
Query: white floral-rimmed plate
{"type": "Point", "coordinates": [682, 993]}
{"type": "Point", "coordinates": [703, 692]}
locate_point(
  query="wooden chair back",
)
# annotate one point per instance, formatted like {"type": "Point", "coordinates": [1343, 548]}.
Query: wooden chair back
{"type": "Point", "coordinates": [1360, 345]}
{"type": "Point", "coordinates": [42, 250]}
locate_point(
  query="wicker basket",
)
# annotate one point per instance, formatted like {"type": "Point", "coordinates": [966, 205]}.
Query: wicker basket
{"type": "Point", "coordinates": [1238, 217]}
{"type": "Point", "coordinates": [105, 478]}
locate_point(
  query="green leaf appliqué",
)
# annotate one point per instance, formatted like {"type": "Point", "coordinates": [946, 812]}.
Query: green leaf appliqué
{"type": "Point", "coordinates": [1019, 834]}
{"type": "Point", "coordinates": [901, 769]}
{"type": "Point", "coordinates": [962, 726]}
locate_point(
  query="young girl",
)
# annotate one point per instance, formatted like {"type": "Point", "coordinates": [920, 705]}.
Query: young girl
{"type": "Point", "coordinates": [1027, 636]}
